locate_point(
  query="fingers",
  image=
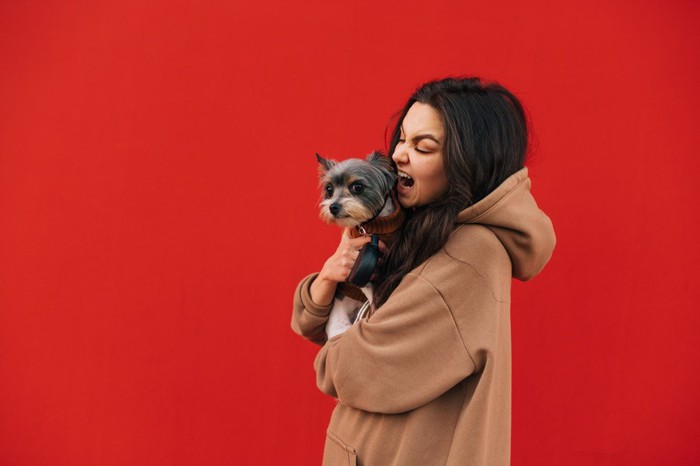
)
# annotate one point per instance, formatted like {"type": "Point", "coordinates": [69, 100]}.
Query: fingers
{"type": "Point", "coordinates": [340, 264]}
{"type": "Point", "coordinates": [337, 269]}
{"type": "Point", "coordinates": [358, 243]}
{"type": "Point", "coordinates": [360, 240]}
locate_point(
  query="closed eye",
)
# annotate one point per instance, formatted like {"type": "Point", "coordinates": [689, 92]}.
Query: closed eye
{"type": "Point", "coordinates": [401, 141]}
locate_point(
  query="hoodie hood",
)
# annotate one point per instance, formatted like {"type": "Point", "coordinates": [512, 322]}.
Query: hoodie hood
{"type": "Point", "coordinates": [512, 214]}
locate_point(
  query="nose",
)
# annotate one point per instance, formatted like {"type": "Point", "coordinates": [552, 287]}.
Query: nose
{"type": "Point", "coordinates": [399, 155]}
{"type": "Point", "coordinates": [334, 208]}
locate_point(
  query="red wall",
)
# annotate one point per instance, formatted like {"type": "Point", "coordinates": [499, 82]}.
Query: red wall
{"type": "Point", "coordinates": [157, 208]}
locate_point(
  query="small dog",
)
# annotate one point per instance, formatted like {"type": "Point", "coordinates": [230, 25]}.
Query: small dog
{"type": "Point", "coordinates": [357, 193]}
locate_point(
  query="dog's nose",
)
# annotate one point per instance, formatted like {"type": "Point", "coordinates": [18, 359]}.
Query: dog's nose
{"type": "Point", "coordinates": [334, 208]}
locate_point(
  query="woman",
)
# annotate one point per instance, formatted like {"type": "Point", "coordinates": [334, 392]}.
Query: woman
{"type": "Point", "coordinates": [426, 379]}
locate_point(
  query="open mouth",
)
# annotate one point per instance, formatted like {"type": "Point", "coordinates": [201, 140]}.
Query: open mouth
{"type": "Point", "coordinates": [404, 180]}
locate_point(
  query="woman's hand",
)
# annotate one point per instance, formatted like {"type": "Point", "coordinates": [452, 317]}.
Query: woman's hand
{"type": "Point", "coordinates": [337, 268]}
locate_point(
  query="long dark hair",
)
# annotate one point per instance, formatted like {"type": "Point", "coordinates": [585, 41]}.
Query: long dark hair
{"type": "Point", "coordinates": [486, 141]}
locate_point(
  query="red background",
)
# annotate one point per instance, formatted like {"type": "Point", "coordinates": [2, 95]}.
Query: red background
{"type": "Point", "coordinates": [158, 206]}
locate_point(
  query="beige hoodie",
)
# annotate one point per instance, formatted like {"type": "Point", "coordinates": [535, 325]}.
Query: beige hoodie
{"type": "Point", "coordinates": [426, 380]}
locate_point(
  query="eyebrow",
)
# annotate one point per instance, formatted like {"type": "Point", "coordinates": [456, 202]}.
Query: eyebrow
{"type": "Point", "coordinates": [422, 136]}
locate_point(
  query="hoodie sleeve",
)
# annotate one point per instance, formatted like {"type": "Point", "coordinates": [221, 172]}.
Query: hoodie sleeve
{"type": "Point", "coordinates": [308, 318]}
{"type": "Point", "coordinates": [407, 354]}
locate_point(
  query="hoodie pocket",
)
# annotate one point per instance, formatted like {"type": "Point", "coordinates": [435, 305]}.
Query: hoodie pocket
{"type": "Point", "coordinates": [337, 453]}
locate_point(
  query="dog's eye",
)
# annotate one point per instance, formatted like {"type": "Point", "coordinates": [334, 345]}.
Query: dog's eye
{"type": "Point", "coordinates": [329, 190]}
{"type": "Point", "coordinates": [357, 188]}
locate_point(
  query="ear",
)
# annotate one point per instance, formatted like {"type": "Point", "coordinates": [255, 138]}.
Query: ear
{"type": "Point", "coordinates": [378, 159]}
{"type": "Point", "coordinates": [326, 164]}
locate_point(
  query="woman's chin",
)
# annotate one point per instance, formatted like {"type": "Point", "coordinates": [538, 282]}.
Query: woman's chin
{"type": "Point", "coordinates": [405, 202]}
{"type": "Point", "coordinates": [405, 196]}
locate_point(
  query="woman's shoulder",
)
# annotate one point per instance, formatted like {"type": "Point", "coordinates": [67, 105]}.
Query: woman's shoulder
{"type": "Point", "coordinates": [477, 245]}
{"type": "Point", "coordinates": [471, 250]}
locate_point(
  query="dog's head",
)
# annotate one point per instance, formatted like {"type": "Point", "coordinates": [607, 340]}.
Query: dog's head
{"type": "Point", "coordinates": [353, 191]}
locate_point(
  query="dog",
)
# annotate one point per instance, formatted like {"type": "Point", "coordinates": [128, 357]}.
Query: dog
{"type": "Point", "coordinates": [359, 194]}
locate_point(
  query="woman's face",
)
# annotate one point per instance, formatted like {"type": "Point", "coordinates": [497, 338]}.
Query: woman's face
{"type": "Point", "coordinates": [418, 157]}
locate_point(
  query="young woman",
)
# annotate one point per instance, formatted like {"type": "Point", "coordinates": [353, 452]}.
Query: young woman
{"type": "Point", "coordinates": [426, 378]}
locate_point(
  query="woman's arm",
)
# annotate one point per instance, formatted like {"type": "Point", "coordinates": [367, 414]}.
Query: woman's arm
{"type": "Point", "coordinates": [322, 290]}
{"type": "Point", "coordinates": [308, 318]}
{"type": "Point", "coordinates": [411, 350]}
{"type": "Point", "coordinates": [313, 297]}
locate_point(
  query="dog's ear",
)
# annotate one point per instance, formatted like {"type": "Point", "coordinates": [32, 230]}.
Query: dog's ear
{"type": "Point", "coordinates": [325, 164]}
{"type": "Point", "coordinates": [381, 161]}
{"type": "Point", "coordinates": [378, 159]}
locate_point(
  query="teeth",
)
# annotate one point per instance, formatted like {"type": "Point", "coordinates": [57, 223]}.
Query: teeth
{"type": "Point", "coordinates": [404, 175]}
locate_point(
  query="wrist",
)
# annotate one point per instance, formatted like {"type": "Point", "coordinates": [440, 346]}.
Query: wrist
{"type": "Point", "coordinates": [325, 279]}
{"type": "Point", "coordinates": [322, 290]}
